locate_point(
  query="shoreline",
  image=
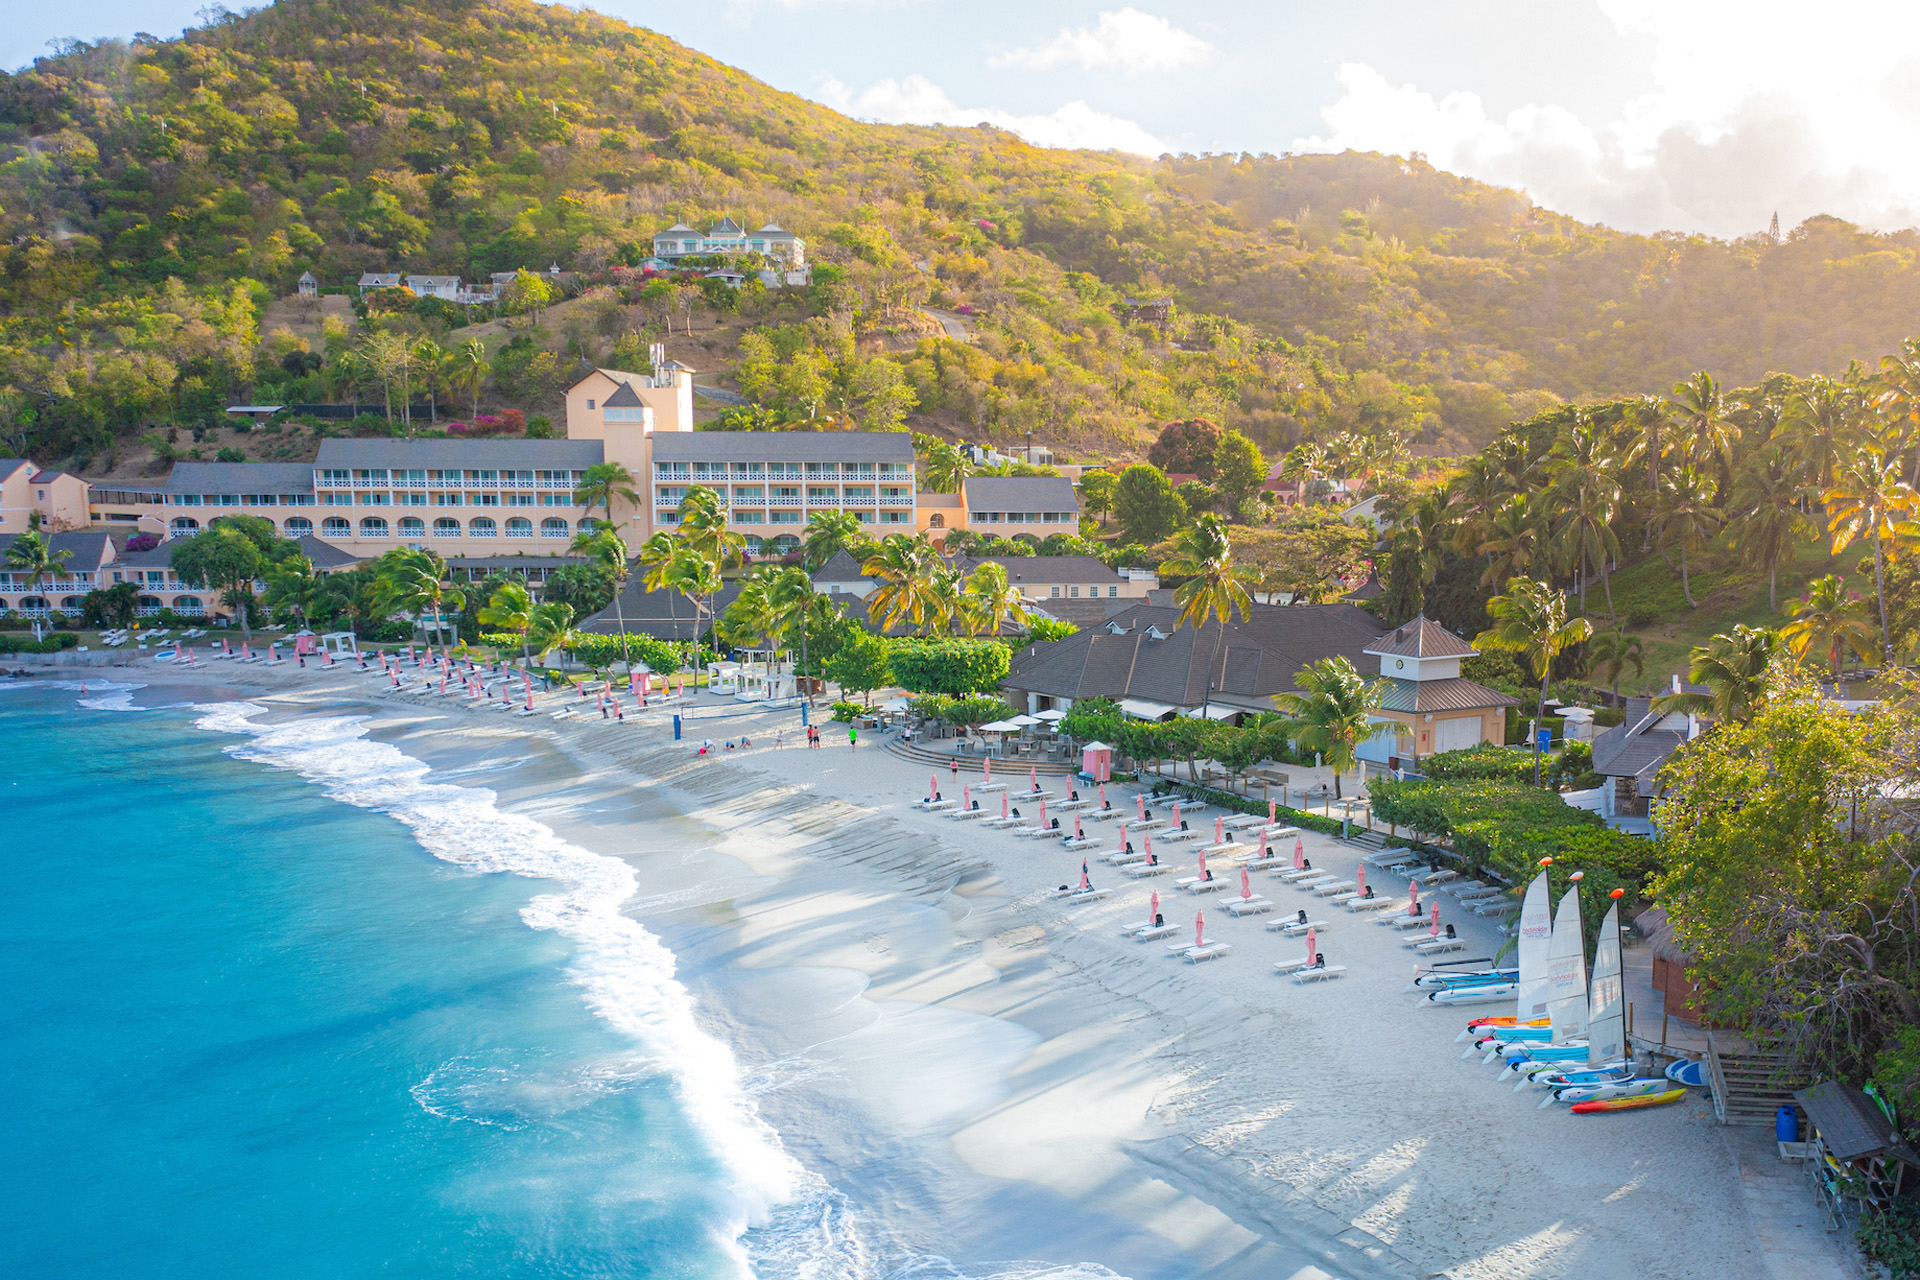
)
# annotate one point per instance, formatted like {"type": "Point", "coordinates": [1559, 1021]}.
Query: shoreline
{"type": "Point", "coordinates": [1219, 1114]}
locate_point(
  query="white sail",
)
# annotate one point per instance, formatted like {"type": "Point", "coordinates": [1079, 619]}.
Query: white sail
{"type": "Point", "coordinates": [1567, 971]}
{"type": "Point", "coordinates": [1607, 1021]}
{"type": "Point", "coordinates": [1536, 930]}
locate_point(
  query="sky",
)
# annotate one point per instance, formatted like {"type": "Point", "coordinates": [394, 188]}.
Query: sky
{"type": "Point", "coordinates": [1648, 115]}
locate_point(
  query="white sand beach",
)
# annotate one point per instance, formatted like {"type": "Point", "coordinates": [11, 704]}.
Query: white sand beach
{"type": "Point", "coordinates": [905, 993]}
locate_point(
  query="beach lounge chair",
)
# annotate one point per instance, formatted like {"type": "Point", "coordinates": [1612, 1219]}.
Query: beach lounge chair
{"type": "Point", "coordinates": [1081, 895]}
{"type": "Point", "coordinates": [1322, 974]}
{"type": "Point", "coordinates": [1082, 844]}
{"type": "Point", "coordinates": [989, 788]}
{"type": "Point", "coordinates": [1290, 966]}
{"type": "Point", "coordinates": [1253, 906]}
{"type": "Point", "coordinates": [1194, 884]}
{"type": "Point", "coordinates": [938, 806]}
{"type": "Point", "coordinates": [1408, 922]}
{"type": "Point", "coordinates": [1439, 875]}
{"type": "Point", "coordinates": [1212, 951]}
{"type": "Point", "coordinates": [1377, 903]}
{"type": "Point", "coordinates": [1281, 833]}
{"type": "Point", "coordinates": [976, 811]}
{"type": "Point", "coordinates": [1031, 797]}
{"type": "Point", "coordinates": [1493, 907]}
{"type": "Point", "coordinates": [1435, 946]}
{"type": "Point", "coordinates": [1145, 869]}
{"type": "Point", "coordinates": [1297, 928]}
{"type": "Point", "coordinates": [1035, 831]}
{"type": "Point", "coordinates": [1154, 932]}
{"type": "Point", "coordinates": [1244, 821]}
{"type": "Point", "coordinates": [1228, 845]}
{"type": "Point", "coordinates": [1104, 815]}
{"type": "Point", "coordinates": [1474, 889]}
{"type": "Point", "coordinates": [1331, 887]}
{"type": "Point", "coordinates": [1387, 858]}
{"type": "Point", "coordinates": [1414, 873]}
{"type": "Point", "coordinates": [1184, 833]}
{"type": "Point", "coordinates": [1013, 819]}
{"type": "Point", "coordinates": [1272, 862]}
{"type": "Point", "coordinates": [1075, 802]}
{"type": "Point", "coordinates": [1305, 873]}
{"type": "Point", "coordinates": [1117, 858]}
{"type": "Point", "coordinates": [1149, 823]}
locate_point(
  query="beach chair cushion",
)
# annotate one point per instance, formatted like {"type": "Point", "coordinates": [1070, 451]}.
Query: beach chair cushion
{"type": "Point", "coordinates": [1212, 951]}
{"type": "Point", "coordinates": [1153, 933]}
{"type": "Point", "coordinates": [1319, 975]}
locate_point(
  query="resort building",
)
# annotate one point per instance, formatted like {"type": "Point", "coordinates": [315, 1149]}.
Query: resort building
{"type": "Point", "coordinates": [88, 553]}
{"type": "Point", "coordinates": [1057, 585]}
{"type": "Point", "coordinates": [731, 239]}
{"type": "Point", "coordinates": [58, 498]}
{"type": "Point", "coordinates": [1434, 707]}
{"type": "Point", "coordinates": [770, 482]}
{"type": "Point", "coordinates": [1629, 755]}
{"type": "Point", "coordinates": [1155, 667]}
{"type": "Point", "coordinates": [1008, 506]}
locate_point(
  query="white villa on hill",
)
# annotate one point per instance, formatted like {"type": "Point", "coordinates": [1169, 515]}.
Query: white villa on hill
{"type": "Point", "coordinates": [730, 238]}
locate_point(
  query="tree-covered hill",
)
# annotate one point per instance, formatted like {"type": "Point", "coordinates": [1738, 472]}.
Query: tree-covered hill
{"type": "Point", "coordinates": [156, 195]}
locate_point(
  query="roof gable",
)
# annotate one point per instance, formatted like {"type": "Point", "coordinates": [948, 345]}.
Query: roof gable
{"type": "Point", "coordinates": [1422, 638]}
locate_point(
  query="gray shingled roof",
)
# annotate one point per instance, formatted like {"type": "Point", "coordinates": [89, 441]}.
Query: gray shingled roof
{"type": "Point", "coordinates": [623, 397]}
{"type": "Point", "coordinates": [782, 446]}
{"type": "Point", "coordinates": [666, 615]}
{"type": "Point", "coordinates": [324, 554]}
{"type": "Point", "coordinates": [485, 455]}
{"type": "Point", "coordinates": [10, 465]}
{"type": "Point", "coordinates": [88, 550]}
{"type": "Point", "coordinates": [840, 567]}
{"type": "Point", "coordinates": [1043, 570]}
{"type": "Point", "coordinates": [1021, 493]}
{"type": "Point", "coordinates": [1442, 695]}
{"type": "Point", "coordinates": [1422, 638]}
{"type": "Point", "coordinates": [1248, 660]}
{"type": "Point", "coordinates": [1634, 748]}
{"type": "Point", "coordinates": [240, 477]}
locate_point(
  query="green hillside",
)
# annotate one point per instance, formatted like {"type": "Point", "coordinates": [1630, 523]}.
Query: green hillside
{"type": "Point", "coordinates": [157, 196]}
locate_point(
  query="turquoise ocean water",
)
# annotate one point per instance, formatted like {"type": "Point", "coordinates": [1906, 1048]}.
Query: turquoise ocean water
{"type": "Point", "coordinates": [252, 1031]}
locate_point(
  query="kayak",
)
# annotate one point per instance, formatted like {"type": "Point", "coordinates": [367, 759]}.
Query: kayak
{"type": "Point", "coordinates": [1572, 1051]}
{"type": "Point", "coordinates": [1608, 1074]}
{"type": "Point", "coordinates": [1687, 1071]}
{"type": "Point", "coordinates": [1616, 1091]}
{"type": "Point", "coordinates": [1481, 977]}
{"type": "Point", "coordinates": [1630, 1104]}
{"type": "Point", "coordinates": [1477, 1026]}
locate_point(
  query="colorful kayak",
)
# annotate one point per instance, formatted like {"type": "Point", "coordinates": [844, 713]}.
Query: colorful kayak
{"type": "Point", "coordinates": [1478, 1028]}
{"type": "Point", "coordinates": [1687, 1071]}
{"type": "Point", "coordinates": [1545, 1075]}
{"type": "Point", "coordinates": [1447, 981]}
{"type": "Point", "coordinates": [1630, 1104]}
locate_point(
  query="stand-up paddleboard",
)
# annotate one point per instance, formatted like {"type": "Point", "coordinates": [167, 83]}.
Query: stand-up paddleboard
{"type": "Point", "coordinates": [1473, 978]}
{"type": "Point", "coordinates": [1629, 1104]}
{"type": "Point", "coordinates": [1687, 1071]}
{"type": "Point", "coordinates": [1477, 1027]}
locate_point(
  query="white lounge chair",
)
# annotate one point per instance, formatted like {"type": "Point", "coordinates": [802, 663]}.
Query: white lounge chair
{"type": "Point", "coordinates": [1387, 858]}
{"type": "Point", "coordinates": [1304, 874]}
{"type": "Point", "coordinates": [1154, 932]}
{"type": "Point", "coordinates": [1328, 888]}
{"type": "Point", "coordinates": [1226, 846]}
{"type": "Point", "coordinates": [1493, 907]}
{"type": "Point", "coordinates": [1035, 831]}
{"type": "Point", "coordinates": [1013, 819]}
{"type": "Point", "coordinates": [1305, 976]}
{"type": "Point", "coordinates": [1146, 824]}
{"type": "Point", "coordinates": [1435, 946]}
{"type": "Point", "coordinates": [1297, 929]}
{"type": "Point", "coordinates": [1105, 815]}
{"type": "Point", "coordinates": [964, 815]}
{"type": "Point", "coordinates": [1082, 895]}
{"type": "Point", "coordinates": [1290, 966]}
{"type": "Point", "coordinates": [939, 806]}
{"type": "Point", "coordinates": [1082, 844]}
{"type": "Point", "coordinates": [1194, 884]}
{"type": "Point", "coordinates": [989, 788]}
{"type": "Point", "coordinates": [1408, 922]}
{"type": "Point", "coordinates": [1376, 903]}
{"type": "Point", "coordinates": [1439, 875]}
{"type": "Point", "coordinates": [1212, 951]}
{"type": "Point", "coordinates": [1185, 833]}
{"type": "Point", "coordinates": [1254, 906]}
{"type": "Point", "coordinates": [1120, 858]}
{"type": "Point", "coordinates": [1070, 806]}
{"type": "Point", "coordinates": [1145, 869]}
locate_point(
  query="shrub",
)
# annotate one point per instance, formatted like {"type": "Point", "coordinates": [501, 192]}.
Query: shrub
{"type": "Point", "coordinates": [1482, 761]}
{"type": "Point", "coordinates": [26, 644]}
{"type": "Point", "coordinates": [142, 542]}
{"type": "Point", "coordinates": [845, 711]}
{"type": "Point", "coordinates": [952, 667]}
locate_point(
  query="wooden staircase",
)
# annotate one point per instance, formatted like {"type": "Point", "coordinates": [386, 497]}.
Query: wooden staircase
{"type": "Point", "coordinates": [1749, 1084]}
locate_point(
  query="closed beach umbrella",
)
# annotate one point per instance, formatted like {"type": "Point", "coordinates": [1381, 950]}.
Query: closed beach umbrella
{"type": "Point", "coordinates": [1149, 840]}
{"type": "Point", "coordinates": [1299, 853]}
{"type": "Point", "coordinates": [1176, 815]}
{"type": "Point", "coordinates": [1033, 777]}
{"type": "Point", "coordinates": [1435, 930]}
{"type": "Point", "coordinates": [1263, 846]}
{"type": "Point", "coordinates": [1272, 808]}
{"type": "Point", "coordinates": [443, 682]}
{"type": "Point", "coordinates": [1203, 864]}
{"type": "Point", "coordinates": [1246, 884]}
{"type": "Point", "coordinates": [986, 768]}
{"type": "Point", "coordinates": [933, 786]}
{"type": "Point", "coordinates": [1103, 795]}
{"type": "Point", "coordinates": [1413, 897]}
{"type": "Point", "coordinates": [1084, 882]}
{"type": "Point", "coordinates": [1311, 952]}
{"type": "Point", "coordinates": [1043, 814]}
{"type": "Point", "coordinates": [1140, 799]}
{"type": "Point", "coordinates": [1219, 830]}
{"type": "Point", "coordinates": [1199, 928]}
{"type": "Point", "coordinates": [966, 796]}
{"type": "Point", "coordinates": [1153, 908]}
{"type": "Point", "coordinates": [1122, 846]}
{"type": "Point", "coordinates": [1360, 881]}
{"type": "Point", "coordinates": [1076, 828]}
{"type": "Point", "coordinates": [1003, 806]}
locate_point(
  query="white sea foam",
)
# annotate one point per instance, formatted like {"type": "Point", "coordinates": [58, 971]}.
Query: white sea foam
{"type": "Point", "coordinates": [626, 973]}
{"type": "Point", "coordinates": [101, 695]}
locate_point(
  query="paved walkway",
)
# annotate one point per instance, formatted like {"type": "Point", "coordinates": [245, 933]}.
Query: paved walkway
{"type": "Point", "coordinates": [1786, 1221]}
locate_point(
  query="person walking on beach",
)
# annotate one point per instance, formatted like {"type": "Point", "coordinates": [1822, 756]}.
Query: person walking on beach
{"type": "Point", "coordinates": [779, 738]}
{"type": "Point", "coordinates": [853, 738]}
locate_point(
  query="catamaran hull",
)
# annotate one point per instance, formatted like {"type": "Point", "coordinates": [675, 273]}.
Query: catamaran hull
{"type": "Point", "coordinates": [1486, 994]}
{"type": "Point", "coordinates": [1615, 1091]}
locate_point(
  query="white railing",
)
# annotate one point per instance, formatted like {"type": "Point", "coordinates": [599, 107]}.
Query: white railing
{"type": "Point", "coordinates": [446, 533]}
{"type": "Point", "coordinates": [896, 502]}
{"type": "Point", "coordinates": [519, 533]}
{"type": "Point", "coordinates": [857, 500]}
{"type": "Point", "coordinates": [554, 533]}
{"type": "Point", "coordinates": [868, 474]}
{"type": "Point", "coordinates": [480, 533]}
{"type": "Point", "coordinates": [788, 501]}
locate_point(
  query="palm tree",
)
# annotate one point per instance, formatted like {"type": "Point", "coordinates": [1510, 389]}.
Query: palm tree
{"type": "Point", "coordinates": [293, 585]}
{"type": "Point", "coordinates": [1734, 669]}
{"type": "Point", "coordinates": [1899, 398]}
{"type": "Point", "coordinates": [1686, 518]}
{"type": "Point", "coordinates": [1479, 489]}
{"type": "Point", "coordinates": [509, 609]}
{"type": "Point", "coordinates": [704, 532]}
{"type": "Point", "coordinates": [1203, 555]}
{"type": "Point", "coordinates": [1866, 501]}
{"type": "Point", "coordinates": [412, 582]}
{"type": "Point", "coordinates": [1766, 515]}
{"type": "Point", "coordinates": [1648, 416]}
{"type": "Point", "coordinates": [991, 600]}
{"type": "Point", "coordinates": [1819, 420]}
{"type": "Point", "coordinates": [608, 549]}
{"type": "Point", "coordinates": [600, 484]}
{"type": "Point", "coordinates": [550, 627]}
{"type": "Point", "coordinates": [946, 468]}
{"type": "Point", "coordinates": [1827, 621]}
{"type": "Point", "coordinates": [1333, 712]}
{"type": "Point", "coordinates": [1702, 419]}
{"type": "Point", "coordinates": [829, 533]}
{"type": "Point", "coordinates": [1589, 500]}
{"type": "Point", "coordinates": [656, 557]}
{"type": "Point", "coordinates": [1512, 539]}
{"type": "Point", "coordinates": [32, 555]}
{"type": "Point", "coordinates": [467, 370]}
{"type": "Point", "coordinates": [693, 576]}
{"type": "Point", "coordinates": [1613, 652]}
{"type": "Point", "coordinates": [904, 566]}
{"type": "Point", "coordinates": [792, 606]}
{"type": "Point", "coordinates": [1531, 620]}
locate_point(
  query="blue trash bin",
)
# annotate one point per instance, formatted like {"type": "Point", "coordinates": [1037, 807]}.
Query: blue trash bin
{"type": "Point", "coordinates": [1786, 1125]}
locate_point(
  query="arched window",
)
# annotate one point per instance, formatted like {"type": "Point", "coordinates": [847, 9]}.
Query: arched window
{"type": "Point", "coordinates": [70, 604]}
{"type": "Point", "coordinates": [446, 527]}
{"type": "Point", "coordinates": [936, 521]}
{"type": "Point", "coordinates": [412, 527]}
{"type": "Point", "coordinates": [553, 527]}
{"type": "Point", "coordinates": [588, 524]}
{"type": "Point", "coordinates": [299, 526]}
{"type": "Point", "coordinates": [148, 605]}
{"type": "Point", "coordinates": [336, 527]}
{"type": "Point", "coordinates": [786, 544]}
{"type": "Point", "coordinates": [754, 544]}
{"type": "Point", "coordinates": [519, 527]}
{"type": "Point", "coordinates": [184, 525]}
{"type": "Point", "coordinates": [373, 527]}
{"type": "Point", "coordinates": [35, 606]}
{"type": "Point", "coordinates": [189, 606]}
{"type": "Point", "coordinates": [480, 527]}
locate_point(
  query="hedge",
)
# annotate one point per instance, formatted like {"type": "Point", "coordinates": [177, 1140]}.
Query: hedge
{"type": "Point", "coordinates": [52, 644]}
{"type": "Point", "coordinates": [953, 667]}
{"type": "Point", "coordinates": [1247, 804]}
{"type": "Point", "coordinates": [1483, 761]}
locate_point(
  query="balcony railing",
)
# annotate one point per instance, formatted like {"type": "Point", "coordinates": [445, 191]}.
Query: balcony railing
{"type": "Point", "coordinates": [857, 500]}
{"type": "Point", "coordinates": [447, 533]}
{"type": "Point", "coordinates": [788, 500]}
{"type": "Point", "coordinates": [519, 533]}
{"type": "Point", "coordinates": [903, 501]}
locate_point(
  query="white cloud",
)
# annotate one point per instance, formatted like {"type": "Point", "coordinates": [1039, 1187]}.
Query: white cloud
{"type": "Point", "coordinates": [917, 100]}
{"type": "Point", "coordinates": [1755, 109]}
{"type": "Point", "coordinates": [1126, 39]}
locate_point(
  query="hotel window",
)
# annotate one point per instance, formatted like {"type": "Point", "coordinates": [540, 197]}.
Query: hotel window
{"type": "Point", "coordinates": [864, 517]}
{"type": "Point", "coordinates": [822, 469]}
{"type": "Point", "coordinates": [822, 493]}
{"type": "Point", "coordinates": [446, 499]}
{"type": "Point", "coordinates": [373, 527]}
{"type": "Point", "coordinates": [1054, 593]}
{"type": "Point", "coordinates": [186, 499]}
{"type": "Point", "coordinates": [336, 475]}
{"type": "Point", "coordinates": [589, 402]}
{"type": "Point", "coordinates": [483, 477]}
{"type": "Point", "coordinates": [410, 499]}
{"type": "Point", "coordinates": [556, 500]}
{"type": "Point", "coordinates": [1113, 591]}
{"type": "Point", "coordinates": [376, 499]}
{"type": "Point", "coordinates": [336, 499]}
{"type": "Point", "coordinates": [780, 469]}
{"type": "Point", "coordinates": [785, 517]}
{"type": "Point", "coordinates": [486, 500]}
{"type": "Point", "coordinates": [520, 500]}
{"type": "Point", "coordinates": [749, 517]}
{"type": "Point", "coordinates": [1073, 593]}
{"type": "Point", "coordinates": [370, 474]}
{"type": "Point", "coordinates": [335, 527]}
{"type": "Point", "coordinates": [296, 499]}
{"type": "Point", "coordinates": [516, 477]}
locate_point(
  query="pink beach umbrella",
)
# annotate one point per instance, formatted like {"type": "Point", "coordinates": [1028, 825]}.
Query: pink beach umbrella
{"type": "Point", "coordinates": [1413, 897]}
{"type": "Point", "coordinates": [226, 648]}
{"type": "Point", "coordinates": [1122, 846]}
{"type": "Point", "coordinates": [1076, 828]}
{"type": "Point", "coordinates": [1003, 806]}
{"type": "Point", "coordinates": [1203, 864]}
{"type": "Point", "coordinates": [603, 700]}
{"type": "Point", "coordinates": [933, 786]}
{"type": "Point", "coordinates": [1199, 928]}
{"type": "Point", "coordinates": [1084, 882]}
{"type": "Point", "coordinates": [1103, 795]}
{"type": "Point", "coordinates": [1435, 930]}
{"type": "Point", "coordinates": [528, 677]}
{"type": "Point", "coordinates": [529, 699]}
{"type": "Point", "coordinates": [1312, 950]}
{"type": "Point", "coordinates": [1299, 853]}
{"type": "Point", "coordinates": [443, 682]}
{"type": "Point", "coordinates": [1176, 815]}
{"type": "Point", "coordinates": [1272, 808]}
{"type": "Point", "coordinates": [1043, 815]}
{"type": "Point", "coordinates": [1263, 846]}
{"type": "Point", "coordinates": [1033, 777]}
{"type": "Point", "coordinates": [1153, 907]}
{"type": "Point", "coordinates": [966, 796]}
{"type": "Point", "coordinates": [1246, 884]}
{"type": "Point", "coordinates": [986, 768]}
{"type": "Point", "coordinates": [394, 675]}
{"type": "Point", "coordinates": [1149, 839]}
{"type": "Point", "coordinates": [1360, 880]}
{"type": "Point", "coordinates": [1141, 800]}
{"type": "Point", "coordinates": [1219, 830]}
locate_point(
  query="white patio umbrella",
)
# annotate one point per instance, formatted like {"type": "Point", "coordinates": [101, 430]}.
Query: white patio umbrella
{"type": "Point", "coordinates": [1053, 716]}
{"type": "Point", "coordinates": [1021, 722]}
